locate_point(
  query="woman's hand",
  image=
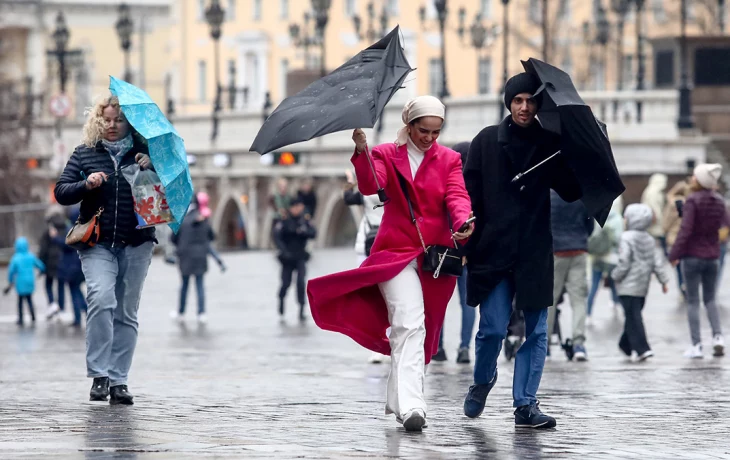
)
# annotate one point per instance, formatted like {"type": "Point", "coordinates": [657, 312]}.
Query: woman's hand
{"type": "Point", "coordinates": [361, 141]}
{"type": "Point", "coordinates": [95, 180]}
{"type": "Point", "coordinates": [462, 235]}
{"type": "Point", "coordinates": [143, 160]}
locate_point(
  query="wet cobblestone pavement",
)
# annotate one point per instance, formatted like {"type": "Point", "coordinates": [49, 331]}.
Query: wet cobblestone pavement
{"type": "Point", "coordinates": [248, 386]}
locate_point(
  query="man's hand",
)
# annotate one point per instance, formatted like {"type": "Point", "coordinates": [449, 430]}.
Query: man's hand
{"type": "Point", "coordinates": [361, 141]}
{"type": "Point", "coordinates": [463, 234]}
{"type": "Point", "coordinates": [665, 288]}
{"type": "Point", "coordinates": [674, 263]}
{"type": "Point", "coordinates": [143, 160]}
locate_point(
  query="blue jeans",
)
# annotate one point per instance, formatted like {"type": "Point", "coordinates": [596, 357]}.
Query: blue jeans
{"type": "Point", "coordinates": [468, 315]}
{"type": "Point", "coordinates": [114, 278]}
{"type": "Point", "coordinates": [595, 284]}
{"type": "Point", "coordinates": [77, 300]}
{"type": "Point", "coordinates": [495, 313]}
{"type": "Point", "coordinates": [184, 293]}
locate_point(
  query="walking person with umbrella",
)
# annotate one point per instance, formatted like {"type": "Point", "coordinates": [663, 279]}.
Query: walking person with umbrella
{"type": "Point", "coordinates": [392, 287]}
{"type": "Point", "coordinates": [509, 172]}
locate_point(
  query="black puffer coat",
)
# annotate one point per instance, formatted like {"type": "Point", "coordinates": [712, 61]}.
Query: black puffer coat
{"type": "Point", "coordinates": [118, 221]}
{"type": "Point", "coordinates": [193, 244]}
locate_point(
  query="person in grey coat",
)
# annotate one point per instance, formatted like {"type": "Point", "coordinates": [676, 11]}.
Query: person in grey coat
{"type": "Point", "coordinates": [193, 243]}
{"type": "Point", "coordinates": [639, 257]}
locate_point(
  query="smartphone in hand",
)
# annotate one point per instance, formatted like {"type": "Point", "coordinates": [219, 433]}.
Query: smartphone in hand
{"type": "Point", "coordinates": [466, 225]}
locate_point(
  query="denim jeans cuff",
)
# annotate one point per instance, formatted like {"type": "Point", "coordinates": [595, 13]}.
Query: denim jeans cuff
{"type": "Point", "coordinates": [524, 402]}
{"type": "Point", "coordinates": [92, 375]}
{"type": "Point", "coordinates": [116, 383]}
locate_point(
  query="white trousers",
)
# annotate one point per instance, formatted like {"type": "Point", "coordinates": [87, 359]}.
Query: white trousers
{"type": "Point", "coordinates": [404, 298]}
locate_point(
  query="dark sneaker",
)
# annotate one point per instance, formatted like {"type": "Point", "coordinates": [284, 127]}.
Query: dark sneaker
{"type": "Point", "coordinates": [414, 421]}
{"type": "Point", "coordinates": [281, 307]}
{"type": "Point", "coordinates": [302, 316]}
{"type": "Point", "coordinates": [463, 356]}
{"type": "Point", "coordinates": [440, 356]}
{"type": "Point", "coordinates": [530, 416]}
{"type": "Point", "coordinates": [580, 353]}
{"type": "Point", "coordinates": [99, 389]}
{"type": "Point", "coordinates": [477, 398]}
{"type": "Point", "coordinates": [120, 395]}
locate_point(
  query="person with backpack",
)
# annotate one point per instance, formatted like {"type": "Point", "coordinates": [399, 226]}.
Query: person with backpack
{"type": "Point", "coordinates": [603, 255]}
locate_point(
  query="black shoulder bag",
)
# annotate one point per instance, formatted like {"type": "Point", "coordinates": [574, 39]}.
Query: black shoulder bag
{"type": "Point", "coordinates": [437, 259]}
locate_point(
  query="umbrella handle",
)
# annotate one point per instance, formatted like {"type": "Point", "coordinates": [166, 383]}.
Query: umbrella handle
{"type": "Point", "coordinates": [381, 191]}
{"type": "Point", "coordinates": [522, 174]}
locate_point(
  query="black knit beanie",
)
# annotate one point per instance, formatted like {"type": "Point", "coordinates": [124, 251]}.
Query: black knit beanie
{"type": "Point", "coordinates": [521, 83]}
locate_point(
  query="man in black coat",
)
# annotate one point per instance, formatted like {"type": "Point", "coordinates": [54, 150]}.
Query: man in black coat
{"type": "Point", "coordinates": [510, 253]}
{"type": "Point", "coordinates": [291, 236]}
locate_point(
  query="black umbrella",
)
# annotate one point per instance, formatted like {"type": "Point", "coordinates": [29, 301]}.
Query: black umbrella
{"type": "Point", "coordinates": [583, 138]}
{"type": "Point", "coordinates": [352, 96]}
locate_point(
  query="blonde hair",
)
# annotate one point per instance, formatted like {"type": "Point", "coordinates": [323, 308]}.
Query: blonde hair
{"type": "Point", "coordinates": [94, 127]}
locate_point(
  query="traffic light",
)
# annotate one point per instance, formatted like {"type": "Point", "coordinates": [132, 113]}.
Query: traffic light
{"type": "Point", "coordinates": [286, 158]}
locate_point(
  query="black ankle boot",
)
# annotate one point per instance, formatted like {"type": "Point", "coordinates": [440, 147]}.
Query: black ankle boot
{"type": "Point", "coordinates": [120, 395]}
{"type": "Point", "coordinates": [99, 389]}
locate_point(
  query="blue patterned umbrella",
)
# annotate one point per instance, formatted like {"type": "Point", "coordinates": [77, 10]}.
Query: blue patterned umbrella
{"type": "Point", "coordinates": [167, 149]}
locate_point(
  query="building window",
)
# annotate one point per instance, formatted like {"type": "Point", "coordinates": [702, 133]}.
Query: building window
{"type": "Point", "coordinates": [535, 11]}
{"type": "Point", "coordinates": [598, 73]}
{"type": "Point", "coordinates": [253, 82]}
{"type": "Point", "coordinates": [231, 10]}
{"type": "Point", "coordinates": [485, 75]}
{"type": "Point", "coordinates": [350, 8]}
{"type": "Point", "coordinates": [565, 11]}
{"type": "Point", "coordinates": [257, 10]}
{"type": "Point", "coordinates": [485, 8]}
{"type": "Point", "coordinates": [393, 7]}
{"type": "Point", "coordinates": [434, 77]}
{"type": "Point", "coordinates": [284, 9]}
{"type": "Point", "coordinates": [628, 71]}
{"type": "Point", "coordinates": [202, 81]}
{"type": "Point", "coordinates": [201, 10]}
{"type": "Point", "coordinates": [657, 9]}
{"type": "Point", "coordinates": [283, 75]}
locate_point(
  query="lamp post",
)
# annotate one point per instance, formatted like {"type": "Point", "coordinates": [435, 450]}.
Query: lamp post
{"type": "Point", "coordinates": [214, 16]}
{"type": "Point", "coordinates": [480, 36]}
{"type": "Point", "coordinates": [125, 27]}
{"type": "Point", "coordinates": [639, 55]}
{"type": "Point", "coordinates": [505, 49]}
{"type": "Point", "coordinates": [302, 38]}
{"type": "Point", "coordinates": [371, 35]}
{"type": "Point", "coordinates": [621, 9]}
{"type": "Point", "coordinates": [267, 105]}
{"type": "Point", "coordinates": [321, 17]}
{"type": "Point", "coordinates": [685, 120]}
{"type": "Point", "coordinates": [61, 52]}
{"type": "Point", "coordinates": [443, 13]}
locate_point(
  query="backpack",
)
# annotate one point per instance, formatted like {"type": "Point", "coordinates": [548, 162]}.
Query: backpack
{"type": "Point", "coordinates": [601, 243]}
{"type": "Point", "coordinates": [370, 236]}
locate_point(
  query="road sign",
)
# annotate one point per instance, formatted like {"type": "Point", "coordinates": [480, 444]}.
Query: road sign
{"type": "Point", "coordinates": [60, 105]}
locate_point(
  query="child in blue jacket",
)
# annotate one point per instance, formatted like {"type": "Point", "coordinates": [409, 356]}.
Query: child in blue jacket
{"type": "Point", "coordinates": [22, 275]}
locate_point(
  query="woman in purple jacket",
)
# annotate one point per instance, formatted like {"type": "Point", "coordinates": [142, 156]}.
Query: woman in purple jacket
{"type": "Point", "coordinates": [698, 247]}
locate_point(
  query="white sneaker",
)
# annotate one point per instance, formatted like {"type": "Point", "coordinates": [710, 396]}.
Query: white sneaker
{"type": "Point", "coordinates": [694, 352]}
{"type": "Point", "coordinates": [644, 356]}
{"type": "Point", "coordinates": [175, 315]}
{"type": "Point", "coordinates": [203, 318]}
{"type": "Point", "coordinates": [376, 358]}
{"type": "Point", "coordinates": [718, 345]}
{"type": "Point", "coordinates": [52, 310]}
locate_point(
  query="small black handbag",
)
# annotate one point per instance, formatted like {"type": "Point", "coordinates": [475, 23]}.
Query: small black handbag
{"type": "Point", "coordinates": [441, 260]}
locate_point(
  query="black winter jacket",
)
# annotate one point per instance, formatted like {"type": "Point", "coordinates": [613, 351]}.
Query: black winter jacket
{"type": "Point", "coordinates": [290, 236]}
{"type": "Point", "coordinates": [118, 221]}
{"type": "Point", "coordinates": [512, 238]}
{"type": "Point", "coordinates": [571, 224]}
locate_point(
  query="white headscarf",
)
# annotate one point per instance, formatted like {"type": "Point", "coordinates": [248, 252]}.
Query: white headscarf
{"type": "Point", "coordinates": [422, 106]}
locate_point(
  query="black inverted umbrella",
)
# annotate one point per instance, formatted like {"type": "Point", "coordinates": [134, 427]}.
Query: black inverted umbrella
{"type": "Point", "coordinates": [584, 140]}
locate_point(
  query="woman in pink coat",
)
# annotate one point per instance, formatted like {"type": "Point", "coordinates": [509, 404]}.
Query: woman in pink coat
{"type": "Point", "coordinates": [390, 289]}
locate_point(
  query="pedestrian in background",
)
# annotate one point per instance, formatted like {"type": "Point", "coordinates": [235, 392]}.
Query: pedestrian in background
{"type": "Point", "coordinates": [193, 246]}
{"type": "Point", "coordinates": [202, 202]}
{"type": "Point", "coordinates": [50, 254]}
{"type": "Point", "coordinates": [21, 275]}
{"type": "Point", "coordinates": [71, 273]}
{"type": "Point", "coordinates": [571, 226]}
{"type": "Point", "coordinates": [698, 248]}
{"type": "Point", "coordinates": [391, 288]}
{"type": "Point", "coordinates": [639, 257]}
{"type": "Point", "coordinates": [654, 197]}
{"type": "Point", "coordinates": [468, 314]}
{"type": "Point", "coordinates": [291, 236]}
{"type": "Point", "coordinates": [509, 256]}
{"type": "Point", "coordinates": [603, 255]}
{"type": "Point", "coordinates": [307, 196]}
{"type": "Point", "coordinates": [672, 221]}
{"type": "Point", "coordinates": [116, 267]}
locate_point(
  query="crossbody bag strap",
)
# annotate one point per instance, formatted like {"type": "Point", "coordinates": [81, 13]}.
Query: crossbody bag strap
{"type": "Point", "coordinates": [410, 209]}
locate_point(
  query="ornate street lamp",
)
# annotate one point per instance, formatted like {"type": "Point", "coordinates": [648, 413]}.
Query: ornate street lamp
{"type": "Point", "coordinates": [214, 16]}
{"type": "Point", "coordinates": [621, 9]}
{"type": "Point", "coordinates": [443, 13]}
{"type": "Point", "coordinates": [302, 37]}
{"type": "Point", "coordinates": [125, 27]}
{"type": "Point", "coordinates": [685, 120]}
{"type": "Point", "coordinates": [372, 33]}
{"type": "Point", "coordinates": [639, 55]}
{"type": "Point", "coordinates": [267, 105]}
{"type": "Point", "coordinates": [321, 18]}
{"type": "Point", "coordinates": [61, 37]}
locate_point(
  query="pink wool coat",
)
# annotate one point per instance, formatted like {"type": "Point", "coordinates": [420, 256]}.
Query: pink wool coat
{"type": "Point", "coordinates": [350, 302]}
